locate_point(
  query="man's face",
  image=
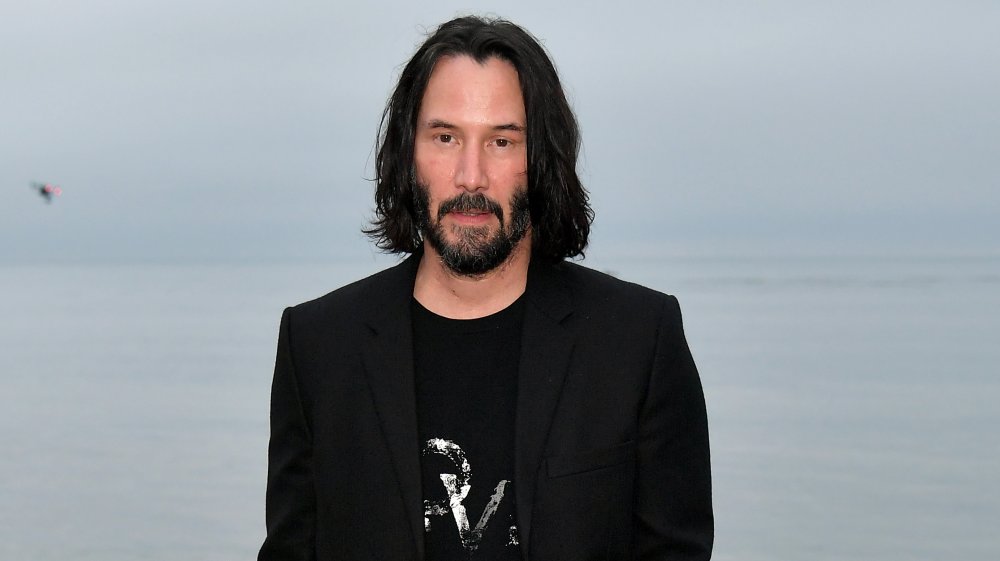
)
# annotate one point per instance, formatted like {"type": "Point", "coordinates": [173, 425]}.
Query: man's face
{"type": "Point", "coordinates": [470, 154]}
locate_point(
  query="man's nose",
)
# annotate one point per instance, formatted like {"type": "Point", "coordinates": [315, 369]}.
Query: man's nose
{"type": "Point", "coordinates": [471, 173]}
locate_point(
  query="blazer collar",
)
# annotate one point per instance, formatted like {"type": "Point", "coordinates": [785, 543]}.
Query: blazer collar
{"type": "Point", "coordinates": [546, 346]}
{"type": "Point", "coordinates": [388, 362]}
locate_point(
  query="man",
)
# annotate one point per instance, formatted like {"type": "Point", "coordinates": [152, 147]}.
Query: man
{"type": "Point", "coordinates": [485, 399]}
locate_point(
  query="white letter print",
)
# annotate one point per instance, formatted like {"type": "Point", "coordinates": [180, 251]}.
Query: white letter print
{"type": "Point", "coordinates": [458, 485]}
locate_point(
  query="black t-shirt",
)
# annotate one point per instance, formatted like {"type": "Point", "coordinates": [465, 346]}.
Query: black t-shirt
{"type": "Point", "coordinates": [466, 380]}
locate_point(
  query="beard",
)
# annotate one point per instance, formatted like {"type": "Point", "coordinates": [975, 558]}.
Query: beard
{"type": "Point", "coordinates": [476, 250]}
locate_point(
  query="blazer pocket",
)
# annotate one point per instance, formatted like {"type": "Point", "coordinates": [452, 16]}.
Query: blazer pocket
{"type": "Point", "coordinates": [570, 464]}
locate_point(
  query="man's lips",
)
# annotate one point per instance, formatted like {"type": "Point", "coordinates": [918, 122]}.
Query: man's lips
{"type": "Point", "coordinates": [470, 215]}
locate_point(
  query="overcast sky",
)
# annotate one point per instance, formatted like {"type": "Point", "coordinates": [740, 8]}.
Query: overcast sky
{"type": "Point", "coordinates": [225, 130]}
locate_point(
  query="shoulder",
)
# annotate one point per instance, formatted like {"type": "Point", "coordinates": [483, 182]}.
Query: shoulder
{"type": "Point", "coordinates": [611, 318]}
{"type": "Point", "coordinates": [588, 301]}
{"type": "Point", "coordinates": [594, 288]}
{"type": "Point", "coordinates": [355, 302]}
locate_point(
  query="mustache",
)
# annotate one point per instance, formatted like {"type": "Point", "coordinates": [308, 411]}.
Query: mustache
{"type": "Point", "coordinates": [467, 202]}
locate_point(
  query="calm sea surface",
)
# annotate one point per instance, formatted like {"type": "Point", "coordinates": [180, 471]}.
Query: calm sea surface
{"type": "Point", "coordinates": [853, 404]}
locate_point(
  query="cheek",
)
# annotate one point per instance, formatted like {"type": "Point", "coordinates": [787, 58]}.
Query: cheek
{"type": "Point", "coordinates": [431, 167]}
{"type": "Point", "coordinates": [509, 175]}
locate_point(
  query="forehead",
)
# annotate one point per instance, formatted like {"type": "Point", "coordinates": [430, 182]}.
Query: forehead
{"type": "Point", "coordinates": [462, 89]}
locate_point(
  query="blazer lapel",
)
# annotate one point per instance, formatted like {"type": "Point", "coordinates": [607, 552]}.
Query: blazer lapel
{"type": "Point", "coordinates": [545, 352]}
{"type": "Point", "coordinates": [388, 362]}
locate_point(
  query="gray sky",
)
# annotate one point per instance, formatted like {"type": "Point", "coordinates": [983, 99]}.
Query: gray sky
{"type": "Point", "coordinates": [232, 130]}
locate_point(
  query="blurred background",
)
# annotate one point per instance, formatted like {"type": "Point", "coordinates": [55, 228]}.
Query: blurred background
{"type": "Point", "coordinates": [817, 182]}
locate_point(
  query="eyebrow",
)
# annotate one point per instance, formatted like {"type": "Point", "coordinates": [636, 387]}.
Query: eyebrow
{"type": "Point", "coordinates": [509, 127]}
{"type": "Point", "coordinates": [441, 124]}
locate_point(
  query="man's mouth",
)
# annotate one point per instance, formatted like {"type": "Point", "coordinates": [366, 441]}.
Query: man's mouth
{"type": "Point", "coordinates": [471, 216]}
{"type": "Point", "coordinates": [470, 207]}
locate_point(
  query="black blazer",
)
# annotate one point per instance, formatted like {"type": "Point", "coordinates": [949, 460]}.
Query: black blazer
{"type": "Point", "coordinates": [611, 440]}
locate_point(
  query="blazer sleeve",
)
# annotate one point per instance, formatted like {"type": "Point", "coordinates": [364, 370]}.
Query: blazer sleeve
{"type": "Point", "coordinates": [673, 482]}
{"type": "Point", "coordinates": [291, 500]}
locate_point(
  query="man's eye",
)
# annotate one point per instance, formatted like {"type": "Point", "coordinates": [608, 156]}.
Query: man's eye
{"type": "Point", "coordinates": [445, 138]}
{"type": "Point", "coordinates": [502, 143]}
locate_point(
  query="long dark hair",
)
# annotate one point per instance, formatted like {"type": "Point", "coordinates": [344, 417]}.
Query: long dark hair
{"type": "Point", "coordinates": [560, 211]}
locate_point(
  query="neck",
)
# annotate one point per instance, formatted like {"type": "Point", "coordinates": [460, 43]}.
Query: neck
{"type": "Point", "coordinates": [448, 294]}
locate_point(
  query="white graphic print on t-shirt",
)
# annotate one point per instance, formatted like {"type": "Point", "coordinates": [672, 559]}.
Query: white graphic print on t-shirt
{"type": "Point", "coordinates": [457, 486]}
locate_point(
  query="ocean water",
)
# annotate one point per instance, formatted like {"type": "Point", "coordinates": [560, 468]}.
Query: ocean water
{"type": "Point", "coordinates": [853, 404]}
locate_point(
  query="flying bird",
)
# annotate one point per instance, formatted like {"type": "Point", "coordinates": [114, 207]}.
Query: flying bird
{"type": "Point", "coordinates": [46, 190]}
